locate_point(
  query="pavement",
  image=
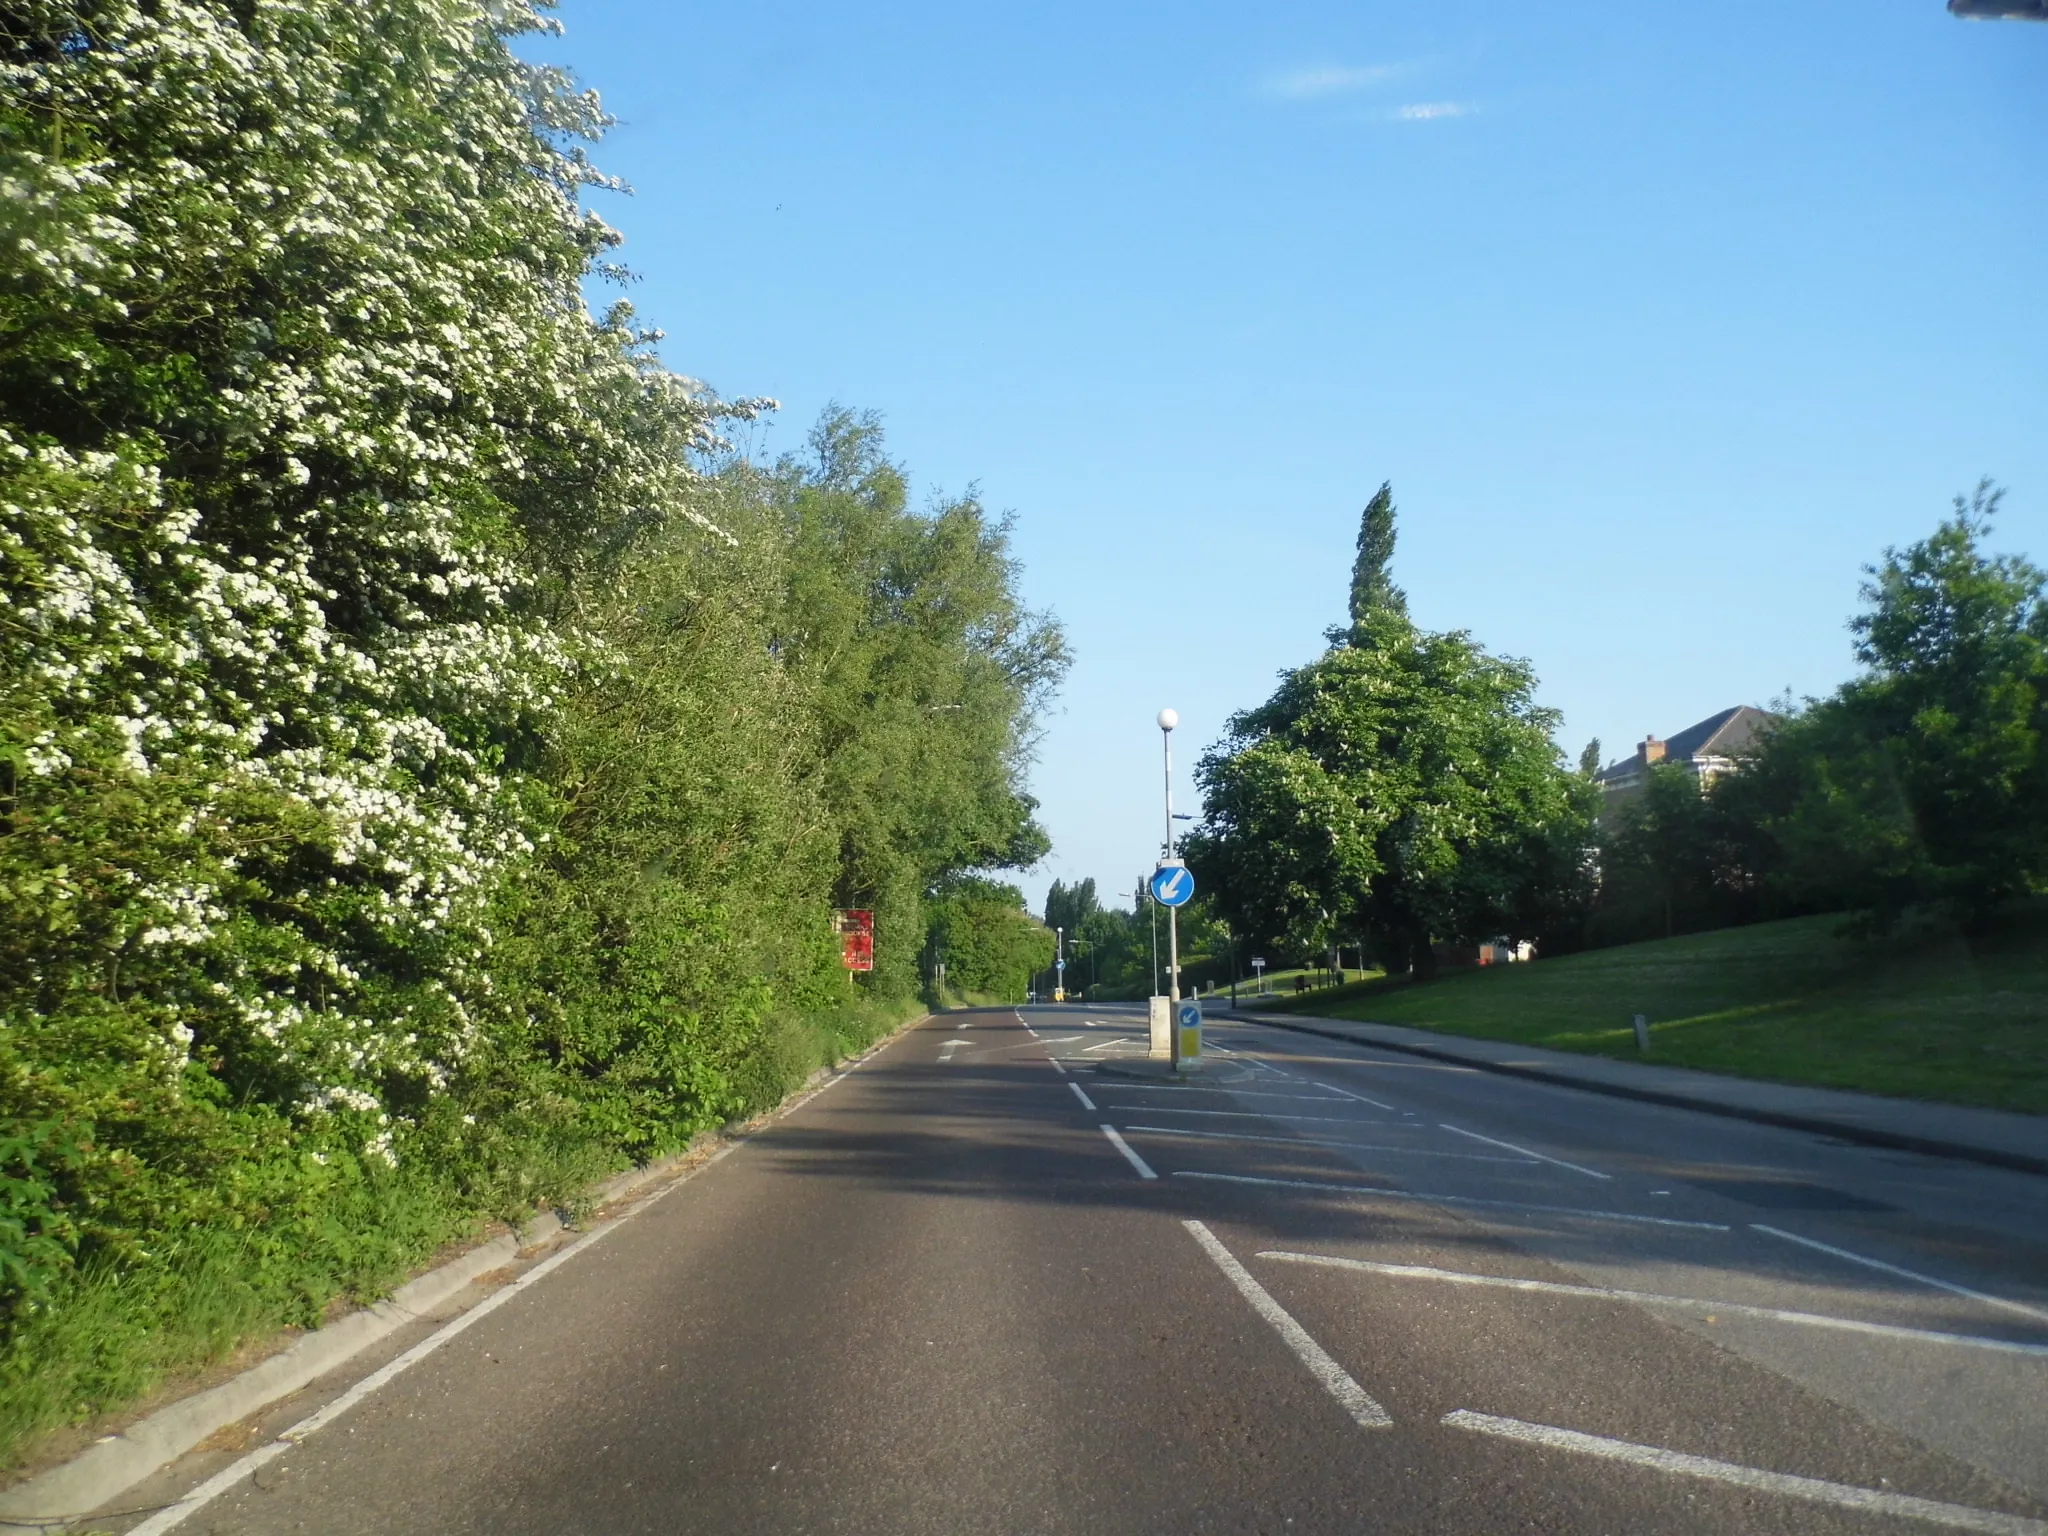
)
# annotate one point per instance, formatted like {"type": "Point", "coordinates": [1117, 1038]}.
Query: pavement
{"type": "Point", "coordinates": [978, 1285]}
{"type": "Point", "coordinates": [1948, 1130]}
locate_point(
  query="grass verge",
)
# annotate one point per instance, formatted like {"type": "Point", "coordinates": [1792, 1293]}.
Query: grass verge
{"type": "Point", "coordinates": [1932, 1016]}
{"type": "Point", "coordinates": [117, 1340]}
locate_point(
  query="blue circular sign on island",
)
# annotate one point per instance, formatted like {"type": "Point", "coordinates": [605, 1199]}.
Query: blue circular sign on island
{"type": "Point", "coordinates": [1172, 885]}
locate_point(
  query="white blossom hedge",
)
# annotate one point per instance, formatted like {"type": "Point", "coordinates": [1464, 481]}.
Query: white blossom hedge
{"type": "Point", "coordinates": [305, 430]}
{"type": "Point", "coordinates": [424, 782]}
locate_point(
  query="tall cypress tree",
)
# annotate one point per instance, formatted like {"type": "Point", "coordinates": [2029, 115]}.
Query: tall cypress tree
{"type": "Point", "coordinates": [1372, 586]}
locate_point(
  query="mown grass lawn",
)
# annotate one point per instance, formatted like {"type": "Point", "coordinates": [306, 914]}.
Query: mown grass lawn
{"type": "Point", "coordinates": [1934, 1017]}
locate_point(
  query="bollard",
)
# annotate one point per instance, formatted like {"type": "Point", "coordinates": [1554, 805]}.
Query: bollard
{"type": "Point", "coordinates": [1642, 1032]}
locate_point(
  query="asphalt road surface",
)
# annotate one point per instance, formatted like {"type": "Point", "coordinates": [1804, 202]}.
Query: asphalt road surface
{"type": "Point", "coordinates": [979, 1285]}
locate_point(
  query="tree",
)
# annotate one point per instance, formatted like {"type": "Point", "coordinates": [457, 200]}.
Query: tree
{"type": "Point", "coordinates": [1070, 906]}
{"type": "Point", "coordinates": [1922, 783]}
{"type": "Point", "coordinates": [1372, 583]}
{"type": "Point", "coordinates": [1671, 860]}
{"type": "Point", "coordinates": [927, 673]}
{"type": "Point", "coordinates": [987, 940]}
{"type": "Point", "coordinates": [1405, 785]}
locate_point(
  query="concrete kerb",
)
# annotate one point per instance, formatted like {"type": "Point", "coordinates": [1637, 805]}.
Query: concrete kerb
{"type": "Point", "coordinates": [108, 1468]}
{"type": "Point", "coordinates": [1819, 1125]}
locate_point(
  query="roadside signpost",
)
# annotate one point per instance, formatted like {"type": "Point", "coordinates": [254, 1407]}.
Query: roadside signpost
{"type": "Point", "coordinates": [856, 937]}
{"type": "Point", "coordinates": [1172, 885]}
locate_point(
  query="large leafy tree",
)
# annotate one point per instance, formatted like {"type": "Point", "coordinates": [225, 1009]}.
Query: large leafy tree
{"type": "Point", "coordinates": [926, 671]}
{"type": "Point", "coordinates": [1922, 783]}
{"type": "Point", "coordinates": [1404, 787]}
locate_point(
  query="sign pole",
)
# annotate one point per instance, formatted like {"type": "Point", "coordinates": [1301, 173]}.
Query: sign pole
{"type": "Point", "coordinates": [1176, 1027]}
{"type": "Point", "coordinates": [1168, 719]}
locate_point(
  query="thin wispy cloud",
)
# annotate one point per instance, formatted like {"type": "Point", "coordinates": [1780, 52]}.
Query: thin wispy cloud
{"type": "Point", "coordinates": [1431, 111]}
{"type": "Point", "coordinates": [1322, 81]}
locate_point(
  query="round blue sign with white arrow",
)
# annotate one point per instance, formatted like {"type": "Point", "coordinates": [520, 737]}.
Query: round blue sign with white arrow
{"type": "Point", "coordinates": [1172, 885]}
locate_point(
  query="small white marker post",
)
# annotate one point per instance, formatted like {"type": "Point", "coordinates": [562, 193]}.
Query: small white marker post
{"type": "Point", "coordinates": [1642, 1032]}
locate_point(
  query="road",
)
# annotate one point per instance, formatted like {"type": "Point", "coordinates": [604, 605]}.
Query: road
{"type": "Point", "coordinates": [979, 1285]}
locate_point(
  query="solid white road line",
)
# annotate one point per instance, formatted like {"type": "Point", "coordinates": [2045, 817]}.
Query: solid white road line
{"type": "Point", "coordinates": [1058, 1040]}
{"type": "Point", "coordinates": [1375, 1103]}
{"type": "Point", "coordinates": [1652, 1299]}
{"type": "Point", "coordinates": [1137, 1162]}
{"type": "Point", "coordinates": [1238, 1093]}
{"type": "Point", "coordinates": [1957, 1517]}
{"type": "Point", "coordinates": [1086, 1102]}
{"type": "Point", "coordinates": [1324, 1141]}
{"type": "Point", "coordinates": [1372, 1192]}
{"type": "Point", "coordinates": [1907, 1274]}
{"type": "Point", "coordinates": [183, 1509]}
{"type": "Point", "coordinates": [1335, 1379]}
{"type": "Point", "coordinates": [1591, 1173]}
{"type": "Point", "coordinates": [1245, 1114]}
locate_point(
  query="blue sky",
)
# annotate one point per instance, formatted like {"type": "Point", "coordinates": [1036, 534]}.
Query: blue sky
{"type": "Point", "coordinates": [1662, 321]}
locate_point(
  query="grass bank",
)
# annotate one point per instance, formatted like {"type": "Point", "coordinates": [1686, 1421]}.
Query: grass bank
{"type": "Point", "coordinates": [1926, 1017]}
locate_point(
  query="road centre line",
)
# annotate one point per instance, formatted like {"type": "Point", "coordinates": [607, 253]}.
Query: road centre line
{"type": "Point", "coordinates": [1137, 1162]}
{"type": "Point", "coordinates": [1376, 1192]}
{"type": "Point", "coordinates": [1086, 1102]}
{"type": "Point", "coordinates": [1057, 1065]}
{"type": "Point", "coordinates": [1908, 1274]}
{"type": "Point", "coordinates": [1592, 1173]}
{"type": "Point", "coordinates": [1334, 1378]}
{"type": "Point", "coordinates": [1653, 1299]}
{"type": "Point", "coordinates": [1957, 1517]}
{"type": "Point", "coordinates": [1324, 1141]}
{"type": "Point", "coordinates": [182, 1509]}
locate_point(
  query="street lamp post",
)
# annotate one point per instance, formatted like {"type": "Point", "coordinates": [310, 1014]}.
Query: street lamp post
{"type": "Point", "coordinates": [1167, 721]}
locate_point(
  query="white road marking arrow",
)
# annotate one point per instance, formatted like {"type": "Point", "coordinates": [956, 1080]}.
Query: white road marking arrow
{"type": "Point", "coordinates": [946, 1051]}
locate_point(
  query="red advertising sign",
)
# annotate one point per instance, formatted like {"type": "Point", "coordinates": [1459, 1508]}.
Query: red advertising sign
{"type": "Point", "coordinates": [856, 927]}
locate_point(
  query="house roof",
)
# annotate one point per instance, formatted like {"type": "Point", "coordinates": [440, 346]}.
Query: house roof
{"type": "Point", "coordinates": [1727, 733]}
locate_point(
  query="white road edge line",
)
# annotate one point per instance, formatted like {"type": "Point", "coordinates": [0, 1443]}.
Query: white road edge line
{"type": "Point", "coordinates": [1958, 1517]}
{"type": "Point", "coordinates": [1334, 1378]}
{"type": "Point", "coordinates": [1324, 1141]}
{"type": "Point", "coordinates": [184, 1508]}
{"type": "Point", "coordinates": [1591, 1173]}
{"type": "Point", "coordinates": [1086, 1102]}
{"type": "Point", "coordinates": [1137, 1162]}
{"type": "Point", "coordinates": [1654, 1299]}
{"type": "Point", "coordinates": [1908, 1274]}
{"type": "Point", "coordinates": [1371, 1192]}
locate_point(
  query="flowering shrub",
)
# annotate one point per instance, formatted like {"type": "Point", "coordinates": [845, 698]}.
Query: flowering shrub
{"type": "Point", "coordinates": [305, 422]}
{"type": "Point", "coordinates": [423, 784]}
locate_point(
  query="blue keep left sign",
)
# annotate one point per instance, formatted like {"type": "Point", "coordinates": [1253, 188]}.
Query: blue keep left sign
{"type": "Point", "coordinates": [1172, 885]}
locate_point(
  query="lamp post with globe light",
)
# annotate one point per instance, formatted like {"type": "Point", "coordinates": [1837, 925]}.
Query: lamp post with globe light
{"type": "Point", "coordinates": [1168, 719]}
